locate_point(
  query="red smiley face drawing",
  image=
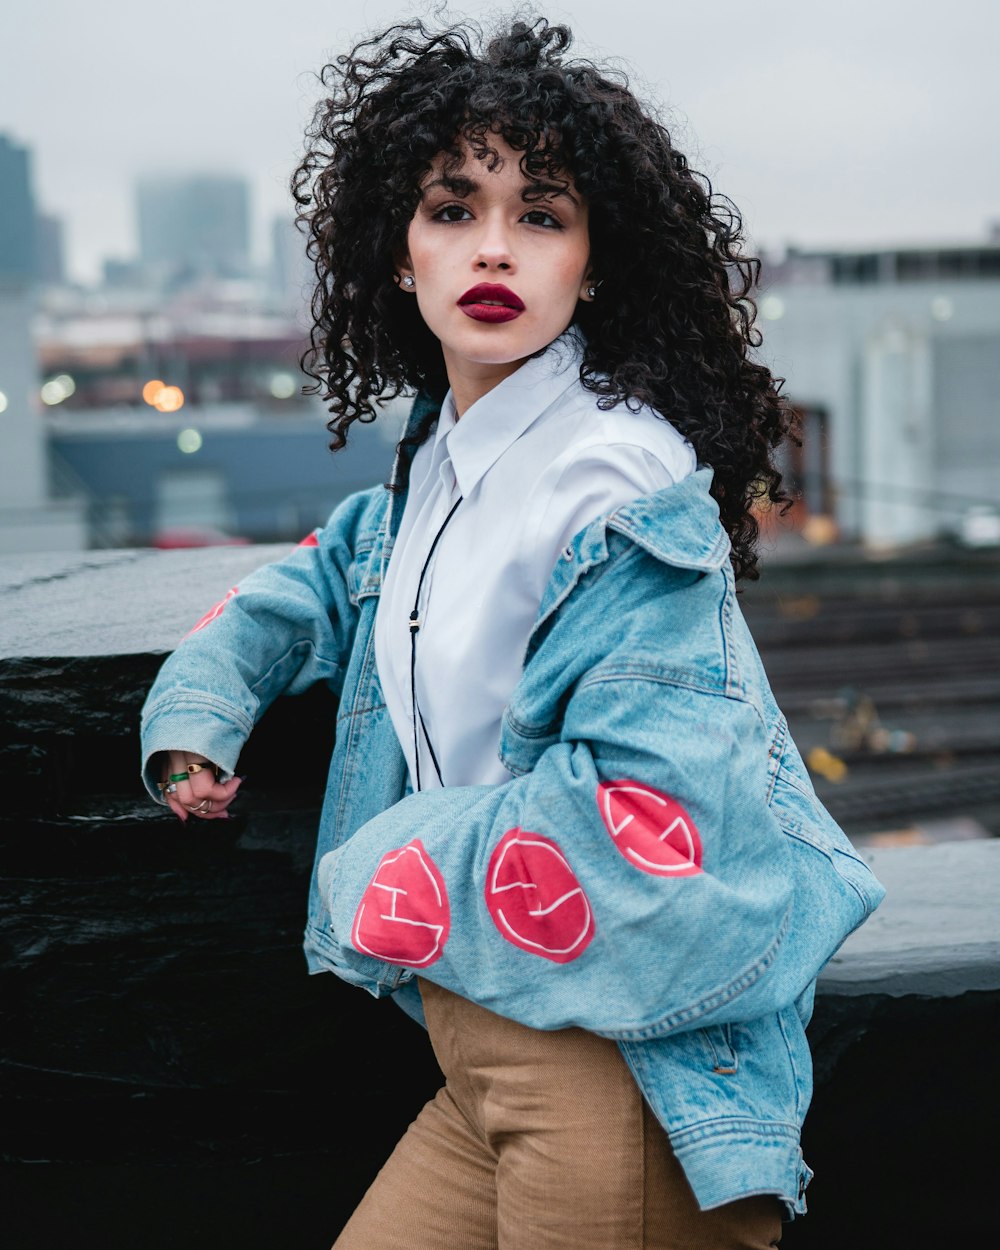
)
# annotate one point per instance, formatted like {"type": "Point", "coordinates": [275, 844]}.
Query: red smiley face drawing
{"type": "Point", "coordinates": [310, 540]}
{"type": "Point", "coordinates": [535, 899]}
{"type": "Point", "coordinates": [212, 613]}
{"type": "Point", "coordinates": [404, 916]}
{"type": "Point", "coordinates": [650, 829]}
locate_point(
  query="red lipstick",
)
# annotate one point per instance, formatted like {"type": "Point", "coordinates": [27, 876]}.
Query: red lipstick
{"type": "Point", "coordinates": [489, 301]}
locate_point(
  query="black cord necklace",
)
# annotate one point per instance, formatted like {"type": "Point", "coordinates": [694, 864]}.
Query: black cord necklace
{"type": "Point", "coordinates": [414, 630]}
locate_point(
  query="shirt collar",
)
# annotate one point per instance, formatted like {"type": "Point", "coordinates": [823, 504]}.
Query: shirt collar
{"type": "Point", "coordinates": [497, 420]}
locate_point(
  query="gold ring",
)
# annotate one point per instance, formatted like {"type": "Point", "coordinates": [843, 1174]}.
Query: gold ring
{"type": "Point", "coordinates": [196, 768]}
{"type": "Point", "coordinates": [204, 806]}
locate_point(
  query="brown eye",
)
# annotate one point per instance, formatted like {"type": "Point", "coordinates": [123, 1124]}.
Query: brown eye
{"type": "Point", "coordinates": [541, 217]}
{"type": "Point", "coordinates": [452, 212]}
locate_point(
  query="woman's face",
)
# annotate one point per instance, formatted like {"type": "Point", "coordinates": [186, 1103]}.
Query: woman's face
{"type": "Point", "coordinates": [497, 275]}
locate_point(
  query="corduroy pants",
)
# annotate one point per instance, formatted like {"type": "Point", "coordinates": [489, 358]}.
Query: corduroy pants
{"type": "Point", "coordinates": [539, 1141]}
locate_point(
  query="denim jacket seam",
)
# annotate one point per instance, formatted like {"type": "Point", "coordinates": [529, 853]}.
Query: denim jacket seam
{"type": "Point", "coordinates": [724, 1126]}
{"type": "Point", "coordinates": [687, 679]}
{"type": "Point", "coordinates": [359, 711]}
{"type": "Point", "coordinates": [775, 755]}
{"type": "Point", "coordinates": [795, 830]}
{"type": "Point", "coordinates": [790, 780]}
{"type": "Point", "coordinates": [578, 572]}
{"type": "Point", "coordinates": [298, 644]}
{"type": "Point", "coordinates": [197, 701]}
{"type": "Point", "coordinates": [711, 1002]}
{"type": "Point", "coordinates": [524, 730]}
{"type": "Point", "coordinates": [797, 1081]}
{"type": "Point", "coordinates": [706, 563]}
{"type": "Point", "coordinates": [353, 720]}
{"type": "Point", "coordinates": [681, 678]}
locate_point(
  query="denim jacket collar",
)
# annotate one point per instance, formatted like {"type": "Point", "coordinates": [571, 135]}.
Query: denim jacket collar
{"type": "Point", "coordinates": [679, 525]}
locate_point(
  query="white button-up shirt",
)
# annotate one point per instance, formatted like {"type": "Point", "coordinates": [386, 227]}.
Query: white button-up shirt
{"type": "Point", "coordinates": [534, 461]}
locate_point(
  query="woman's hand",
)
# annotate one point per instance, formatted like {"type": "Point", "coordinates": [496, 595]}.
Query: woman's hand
{"type": "Point", "coordinates": [189, 786]}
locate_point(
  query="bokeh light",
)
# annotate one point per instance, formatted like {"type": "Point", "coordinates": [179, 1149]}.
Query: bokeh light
{"type": "Point", "coordinates": [163, 398]}
{"type": "Point", "coordinates": [772, 307]}
{"type": "Point", "coordinates": [942, 309]}
{"type": "Point", "coordinates": [282, 385]}
{"type": "Point", "coordinates": [3, 402]}
{"type": "Point", "coordinates": [169, 399]}
{"type": "Point", "coordinates": [56, 389]}
{"type": "Point", "coordinates": [189, 441]}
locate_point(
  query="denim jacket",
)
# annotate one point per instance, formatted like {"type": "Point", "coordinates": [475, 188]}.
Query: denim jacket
{"type": "Point", "coordinates": [659, 869]}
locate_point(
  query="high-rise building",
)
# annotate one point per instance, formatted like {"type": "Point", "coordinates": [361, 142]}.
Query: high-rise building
{"type": "Point", "coordinates": [29, 519]}
{"type": "Point", "coordinates": [18, 248]}
{"type": "Point", "coordinates": [292, 275]}
{"type": "Point", "coordinates": [193, 225]}
{"type": "Point", "coordinates": [50, 250]}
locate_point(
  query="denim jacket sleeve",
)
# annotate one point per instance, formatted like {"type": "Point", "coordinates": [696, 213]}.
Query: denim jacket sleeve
{"type": "Point", "coordinates": [286, 626]}
{"type": "Point", "coordinates": [636, 881]}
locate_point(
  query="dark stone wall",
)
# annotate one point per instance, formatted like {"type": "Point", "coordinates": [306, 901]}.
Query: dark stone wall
{"type": "Point", "coordinates": [169, 1074]}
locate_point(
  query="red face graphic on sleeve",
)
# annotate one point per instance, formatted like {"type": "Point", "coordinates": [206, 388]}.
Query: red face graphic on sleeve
{"type": "Point", "coordinates": [403, 916]}
{"type": "Point", "coordinates": [212, 613]}
{"type": "Point", "coordinates": [650, 829]}
{"type": "Point", "coordinates": [310, 540]}
{"type": "Point", "coordinates": [535, 899]}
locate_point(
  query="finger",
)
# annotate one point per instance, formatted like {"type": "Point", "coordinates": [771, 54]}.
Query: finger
{"type": "Point", "coordinates": [199, 790]}
{"type": "Point", "coordinates": [175, 774]}
{"type": "Point", "coordinates": [204, 786]}
{"type": "Point", "coordinates": [177, 808]}
{"type": "Point", "coordinates": [204, 805]}
{"type": "Point", "coordinates": [208, 810]}
{"type": "Point", "coordinates": [212, 799]}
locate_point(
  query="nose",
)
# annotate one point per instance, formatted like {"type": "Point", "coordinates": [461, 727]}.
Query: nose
{"type": "Point", "coordinates": [494, 250]}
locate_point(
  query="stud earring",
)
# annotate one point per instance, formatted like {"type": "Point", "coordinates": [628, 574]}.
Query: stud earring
{"type": "Point", "coordinates": [409, 281]}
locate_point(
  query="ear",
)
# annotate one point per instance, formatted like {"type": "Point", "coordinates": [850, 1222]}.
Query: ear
{"type": "Point", "coordinates": [403, 269]}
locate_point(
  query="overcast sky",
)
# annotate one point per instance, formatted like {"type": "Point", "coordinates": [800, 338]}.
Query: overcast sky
{"type": "Point", "coordinates": [860, 122]}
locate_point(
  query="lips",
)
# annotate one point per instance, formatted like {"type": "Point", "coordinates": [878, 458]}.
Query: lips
{"type": "Point", "coordinates": [490, 301]}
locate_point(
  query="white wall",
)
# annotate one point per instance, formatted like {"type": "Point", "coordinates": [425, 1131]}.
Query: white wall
{"type": "Point", "coordinates": [28, 521]}
{"type": "Point", "coordinates": [907, 373]}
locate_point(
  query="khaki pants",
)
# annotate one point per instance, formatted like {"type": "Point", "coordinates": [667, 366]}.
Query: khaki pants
{"type": "Point", "coordinates": [539, 1141]}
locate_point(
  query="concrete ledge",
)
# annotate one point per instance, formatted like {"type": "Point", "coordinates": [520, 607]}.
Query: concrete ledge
{"type": "Point", "coordinates": [174, 1077]}
{"type": "Point", "coordinates": [936, 933]}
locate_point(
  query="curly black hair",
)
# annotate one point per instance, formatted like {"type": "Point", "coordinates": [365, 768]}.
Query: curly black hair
{"type": "Point", "coordinates": [674, 323]}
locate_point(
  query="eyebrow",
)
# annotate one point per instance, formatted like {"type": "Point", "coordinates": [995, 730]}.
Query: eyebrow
{"type": "Point", "coordinates": [464, 187]}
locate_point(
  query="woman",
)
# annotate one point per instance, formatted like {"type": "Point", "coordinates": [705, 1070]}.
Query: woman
{"type": "Point", "coordinates": [565, 825]}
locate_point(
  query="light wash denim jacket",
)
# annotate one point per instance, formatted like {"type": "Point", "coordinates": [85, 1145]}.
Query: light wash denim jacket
{"type": "Point", "coordinates": [659, 870]}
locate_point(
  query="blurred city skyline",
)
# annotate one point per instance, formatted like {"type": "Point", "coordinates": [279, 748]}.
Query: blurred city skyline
{"type": "Point", "coordinates": [867, 126]}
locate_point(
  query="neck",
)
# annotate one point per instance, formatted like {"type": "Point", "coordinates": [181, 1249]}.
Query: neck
{"type": "Point", "coordinates": [470, 381]}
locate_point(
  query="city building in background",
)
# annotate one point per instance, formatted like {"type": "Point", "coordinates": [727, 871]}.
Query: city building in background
{"type": "Point", "coordinates": [892, 358]}
{"type": "Point", "coordinates": [30, 519]}
{"type": "Point", "coordinates": [18, 216]}
{"type": "Point", "coordinates": [169, 399]}
{"type": "Point", "coordinates": [50, 250]}
{"type": "Point", "coordinates": [194, 226]}
{"type": "Point", "coordinates": [188, 420]}
{"type": "Point", "coordinates": [291, 272]}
